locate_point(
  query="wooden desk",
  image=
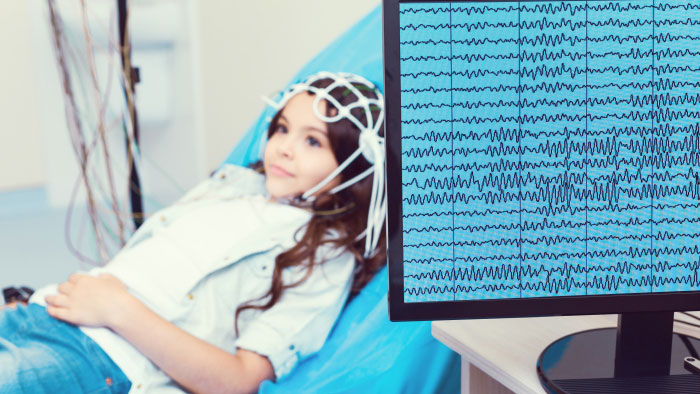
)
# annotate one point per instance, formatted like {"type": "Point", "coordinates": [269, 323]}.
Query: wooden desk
{"type": "Point", "coordinates": [500, 355]}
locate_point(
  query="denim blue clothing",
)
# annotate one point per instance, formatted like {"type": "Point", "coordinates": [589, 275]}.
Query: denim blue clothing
{"type": "Point", "coordinates": [39, 354]}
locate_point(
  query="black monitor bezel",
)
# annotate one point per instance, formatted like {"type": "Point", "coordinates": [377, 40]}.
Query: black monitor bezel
{"type": "Point", "coordinates": [477, 309]}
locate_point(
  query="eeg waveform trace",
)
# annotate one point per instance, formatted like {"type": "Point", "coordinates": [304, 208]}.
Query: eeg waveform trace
{"type": "Point", "coordinates": [550, 148]}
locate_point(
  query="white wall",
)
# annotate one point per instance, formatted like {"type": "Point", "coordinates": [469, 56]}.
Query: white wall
{"type": "Point", "coordinates": [20, 143]}
{"type": "Point", "coordinates": [226, 54]}
{"type": "Point", "coordinates": [253, 48]}
{"type": "Point", "coordinates": [164, 99]}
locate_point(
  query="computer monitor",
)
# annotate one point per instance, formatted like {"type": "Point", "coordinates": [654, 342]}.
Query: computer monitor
{"type": "Point", "coordinates": [543, 159]}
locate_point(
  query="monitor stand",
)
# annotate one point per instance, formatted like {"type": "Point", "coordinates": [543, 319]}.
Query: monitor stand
{"type": "Point", "coordinates": [641, 355]}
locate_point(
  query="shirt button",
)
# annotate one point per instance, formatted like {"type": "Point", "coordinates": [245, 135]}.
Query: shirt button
{"type": "Point", "coordinates": [138, 386]}
{"type": "Point", "coordinates": [223, 176]}
{"type": "Point", "coordinates": [108, 381]}
{"type": "Point", "coordinates": [190, 296]}
{"type": "Point", "coordinates": [291, 347]}
{"type": "Point", "coordinates": [162, 218]}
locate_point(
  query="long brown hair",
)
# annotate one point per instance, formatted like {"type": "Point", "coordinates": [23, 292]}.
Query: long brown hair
{"type": "Point", "coordinates": [343, 214]}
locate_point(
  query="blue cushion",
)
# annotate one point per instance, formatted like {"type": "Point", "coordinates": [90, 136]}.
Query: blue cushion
{"type": "Point", "coordinates": [365, 352]}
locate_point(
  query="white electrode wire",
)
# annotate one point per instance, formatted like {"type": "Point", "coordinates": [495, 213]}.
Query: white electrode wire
{"type": "Point", "coordinates": [352, 181]}
{"type": "Point", "coordinates": [375, 217]}
{"type": "Point", "coordinates": [309, 193]}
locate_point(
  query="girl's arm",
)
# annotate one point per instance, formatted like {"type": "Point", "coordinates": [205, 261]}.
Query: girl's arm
{"type": "Point", "coordinates": [196, 365]}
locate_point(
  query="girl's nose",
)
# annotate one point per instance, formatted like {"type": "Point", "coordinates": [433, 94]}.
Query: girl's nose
{"type": "Point", "coordinates": [286, 146]}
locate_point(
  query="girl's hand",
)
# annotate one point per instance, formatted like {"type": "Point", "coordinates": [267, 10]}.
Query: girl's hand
{"type": "Point", "coordinates": [88, 301]}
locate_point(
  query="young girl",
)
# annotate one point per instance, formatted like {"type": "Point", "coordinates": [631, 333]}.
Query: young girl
{"type": "Point", "coordinates": [238, 280]}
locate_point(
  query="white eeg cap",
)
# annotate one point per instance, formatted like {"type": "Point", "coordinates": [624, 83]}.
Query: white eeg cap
{"type": "Point", "coordinates": [371, 144]}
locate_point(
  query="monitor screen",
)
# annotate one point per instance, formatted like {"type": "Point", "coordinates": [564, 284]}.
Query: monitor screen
{"type": "Point", "coordinates": [542, 153]}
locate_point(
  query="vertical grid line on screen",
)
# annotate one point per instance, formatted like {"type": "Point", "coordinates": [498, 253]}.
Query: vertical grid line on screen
{"type": "Point", "coordinates": [452, 147]}
{"type": "Point", "coordinates": [651, 222]}
{"type": "Point", "coordinates": [586, 158]}
{"type": "Point", "coordinates": [520, 161]}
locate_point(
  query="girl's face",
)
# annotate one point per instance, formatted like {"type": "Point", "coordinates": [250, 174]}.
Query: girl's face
{"type": "Point", "coordinates": [298, 154]}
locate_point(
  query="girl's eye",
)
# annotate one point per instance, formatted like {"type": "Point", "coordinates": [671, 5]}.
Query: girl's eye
{"type": "Point", "coordinates": [281, 129]}
{"type": "Point", "coordinates": [313, 141]}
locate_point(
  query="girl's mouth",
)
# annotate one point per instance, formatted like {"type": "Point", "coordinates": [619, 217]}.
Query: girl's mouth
{"type": "Point", "coordinates": [279, 171]}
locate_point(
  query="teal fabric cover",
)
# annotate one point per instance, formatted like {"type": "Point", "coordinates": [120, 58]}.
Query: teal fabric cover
{"type": "Point", "coordinates": [365, 352]}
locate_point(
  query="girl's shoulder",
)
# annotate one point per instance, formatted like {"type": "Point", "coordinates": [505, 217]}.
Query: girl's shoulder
{"type": "Point", "coordinates": [228, 181]}
{"type": "Point", "coordinates": [235, 172]}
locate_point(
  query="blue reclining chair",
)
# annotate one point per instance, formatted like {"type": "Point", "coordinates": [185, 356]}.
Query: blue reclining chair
{"type": "Point", "coordinates": [365, 352]}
